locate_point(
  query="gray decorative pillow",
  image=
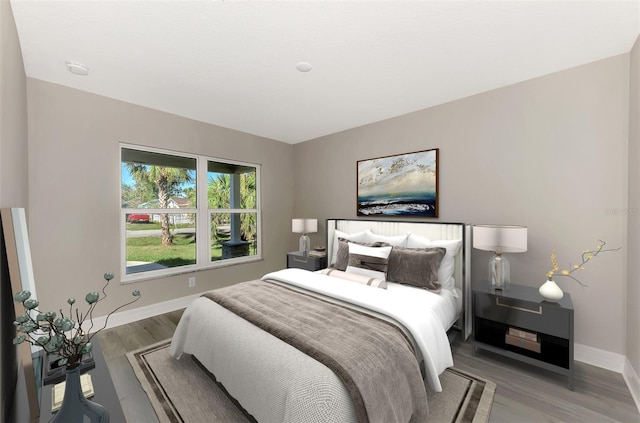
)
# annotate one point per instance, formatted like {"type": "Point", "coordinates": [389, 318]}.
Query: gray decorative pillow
{"type": "Point", "coordinates": [416, 266]}
{"type": "Point", "coordinates": [342, 258]}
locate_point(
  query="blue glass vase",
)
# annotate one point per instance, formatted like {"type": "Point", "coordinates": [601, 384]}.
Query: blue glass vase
{"type": "Point", "coordinates": [75, 406]}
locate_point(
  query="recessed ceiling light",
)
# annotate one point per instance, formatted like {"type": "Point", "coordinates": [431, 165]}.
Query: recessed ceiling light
{"type": "Point", "coordinates": [304, 66]}
{"type": "Point", "coordinates": [77, 68]}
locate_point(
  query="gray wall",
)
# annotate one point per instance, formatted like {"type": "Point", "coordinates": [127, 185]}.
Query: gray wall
{"type": "Point", "coordinates": [14, 185]}
{"type": "Point", "coordinates": [633, 282]}
{"type": "Point", "coordinates": [74, 173]}
{"type": "Point", "coordinates": [13, 179]}
{"type": "Point", "coordinates": [549, 153]}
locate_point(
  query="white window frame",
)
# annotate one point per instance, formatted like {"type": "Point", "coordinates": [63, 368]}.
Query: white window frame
{"type": "Point", "coordinates": [203, 219]}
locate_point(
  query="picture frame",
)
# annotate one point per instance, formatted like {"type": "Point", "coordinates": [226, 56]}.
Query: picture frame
{"type": "Point", "coordinates": [399, 185]}
{"type": "Point", "coordinates": [18, 258]}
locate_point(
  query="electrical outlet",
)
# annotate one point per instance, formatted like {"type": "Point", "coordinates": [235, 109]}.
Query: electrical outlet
{"type": "Point", "coordinates": [192, 282]}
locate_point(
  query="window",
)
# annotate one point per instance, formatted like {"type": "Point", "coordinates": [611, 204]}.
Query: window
{"type": "Point", "coordinates": [183, 212]}
{"type": "Point", "coordinates": [232, 207]}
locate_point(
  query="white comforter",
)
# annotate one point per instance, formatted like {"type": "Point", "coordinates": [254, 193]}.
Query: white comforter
{"type": "Point", "coordinates": [277, 383]}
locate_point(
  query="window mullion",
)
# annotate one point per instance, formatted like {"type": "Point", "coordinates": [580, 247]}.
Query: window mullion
{"type": "Point", "coordinates": [203, 243]}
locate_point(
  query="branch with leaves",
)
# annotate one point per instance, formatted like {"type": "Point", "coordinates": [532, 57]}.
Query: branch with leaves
{"type": "Point", "coordinates": [587, 256]}
{"type": "Point", "coordinates": [62, 335]}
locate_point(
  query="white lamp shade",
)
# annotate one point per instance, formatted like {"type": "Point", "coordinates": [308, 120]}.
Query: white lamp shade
{"type": "Point", "coordinates": [304, 226]}
{"type": "Point", "coordinates": [500, 238]}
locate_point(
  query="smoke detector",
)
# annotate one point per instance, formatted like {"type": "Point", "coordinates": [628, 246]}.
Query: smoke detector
{"type": "Point", "coordinates": [304, 66]}
{"type": "Point", "coordinates": [77, 68]}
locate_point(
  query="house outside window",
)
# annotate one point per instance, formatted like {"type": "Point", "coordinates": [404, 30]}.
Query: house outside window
{"type": "Point", "coordinates": [182, 212]}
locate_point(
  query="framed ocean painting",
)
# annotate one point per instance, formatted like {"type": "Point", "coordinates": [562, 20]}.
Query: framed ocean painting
{"type": "Point", "coordinates": [402, 185]}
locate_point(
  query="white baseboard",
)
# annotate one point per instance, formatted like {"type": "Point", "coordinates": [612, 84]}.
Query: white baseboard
{"type": "Point", "coordinates": [599, 358]}
{"type": "Point", "coordinates": [633, 382]}
{"type": "Point", "coordinates": [611, 361]}
{"type": "Point", "coordinates": [129, 316]}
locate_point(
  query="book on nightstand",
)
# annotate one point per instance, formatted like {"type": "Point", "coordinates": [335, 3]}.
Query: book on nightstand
{"type": "Point", "coordinates": [531, 336]}
{"type": "Point", "coordinates": [57, 393]}
{"type": "Point", "coordinates": [523, 343]}
{"type": "Point", "coordinates": [314, 253]}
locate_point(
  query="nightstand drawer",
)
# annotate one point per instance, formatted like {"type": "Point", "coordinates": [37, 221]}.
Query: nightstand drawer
{"type": "Point", "coordinates": [300, 261]}
{"type": "Point", "coordinates": [539, 317]}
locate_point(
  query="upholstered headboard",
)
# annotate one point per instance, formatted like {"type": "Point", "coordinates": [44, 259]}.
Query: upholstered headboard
{"type": "Point", "coordinates": [431, 230]}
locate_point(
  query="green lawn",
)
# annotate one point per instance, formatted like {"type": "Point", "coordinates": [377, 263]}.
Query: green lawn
{"type": "Point", "coordinates": [182, 252]}
{"type": "Point", "coordinates": [150, 249]}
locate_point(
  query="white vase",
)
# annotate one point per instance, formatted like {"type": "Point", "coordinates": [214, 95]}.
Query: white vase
{"type": "Point", "coordinates": [550, 291]}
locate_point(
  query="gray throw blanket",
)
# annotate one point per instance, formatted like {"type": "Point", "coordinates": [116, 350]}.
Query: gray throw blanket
{"type": "Point", "coordinates": [372, 357]}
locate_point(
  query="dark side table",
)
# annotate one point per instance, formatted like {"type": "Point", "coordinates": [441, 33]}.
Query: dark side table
{"type": "Point", "coordinates": [520, 324]}
{"type": "Point", "coordinates": [299, 260]}
{"type": "Point", "coordinates": [105, 393]}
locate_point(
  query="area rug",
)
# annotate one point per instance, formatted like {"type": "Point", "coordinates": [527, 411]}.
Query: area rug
{"type": "Point", "coordinates": [183, 391]}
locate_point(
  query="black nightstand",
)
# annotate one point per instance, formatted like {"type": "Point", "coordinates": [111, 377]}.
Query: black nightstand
{"type": "Point", "coordinates": [298, 260]}
{"type": "Point", "coordinates": [518, 323]}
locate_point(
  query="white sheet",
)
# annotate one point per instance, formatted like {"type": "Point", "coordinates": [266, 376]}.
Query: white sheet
{"type": "Point", "coordinates": [426, 315]}
{"type": "Point", "coordinates": [447, 307]}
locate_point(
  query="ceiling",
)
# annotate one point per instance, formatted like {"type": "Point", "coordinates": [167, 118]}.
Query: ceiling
{"type": "Point", "coordinates": [233, 63]}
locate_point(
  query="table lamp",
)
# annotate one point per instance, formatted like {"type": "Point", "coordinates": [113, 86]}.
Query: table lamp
{"type": "Point", "coordinates": [500, 239]}
{"type": "Point", "coordinates": [304, 227]}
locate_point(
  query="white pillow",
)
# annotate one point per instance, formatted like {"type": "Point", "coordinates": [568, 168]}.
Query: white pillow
{"type": "Point", "coordinates": [396, 240]}
{"type": "Point", "coordinates": [417, 241]}
{"type": "Point", "coordinates": [448, 264]}
{"type": "Point", "coordinates": [368, 261]}
{"type": "Point", "coordinates": [355, 237]}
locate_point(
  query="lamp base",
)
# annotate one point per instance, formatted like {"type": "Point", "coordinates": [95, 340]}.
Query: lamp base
{"type": "Point", "coordinates": [499, 272]}
{"type": "Point", "coordinates": [305, 244]}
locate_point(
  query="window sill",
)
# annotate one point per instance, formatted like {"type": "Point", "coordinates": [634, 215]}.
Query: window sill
{"type": "Point", "coordinates": [167, 273]}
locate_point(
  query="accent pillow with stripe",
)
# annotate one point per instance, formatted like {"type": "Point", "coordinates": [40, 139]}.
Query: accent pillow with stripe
{"type": "Point", "coordinates": [368, 261]}
{"type": "Point", "coordinates": [342, 257]}
{"type": "Point", "coordinates": [376, 283]}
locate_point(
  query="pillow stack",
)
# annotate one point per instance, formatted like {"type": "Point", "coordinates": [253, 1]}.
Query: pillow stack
{"type": "Point", "coordinates": [407, 259]}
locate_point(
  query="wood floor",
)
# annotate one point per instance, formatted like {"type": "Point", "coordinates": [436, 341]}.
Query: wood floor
{"type": "Point", "coordinates": [524, 393]}
{"type": "Point", "coordinates": [527, 394]}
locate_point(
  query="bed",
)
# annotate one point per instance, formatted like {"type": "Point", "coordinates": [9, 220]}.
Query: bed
{"type": "Point", "coordinates": [281, 378]}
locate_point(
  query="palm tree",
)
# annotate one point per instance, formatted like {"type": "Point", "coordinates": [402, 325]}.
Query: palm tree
{"type": "Point", "coordinates": [219, 194]}
{"type": "Point", "coordinates": [167, 180]}
{"type": "Point", "coordinates": [248, 201]}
